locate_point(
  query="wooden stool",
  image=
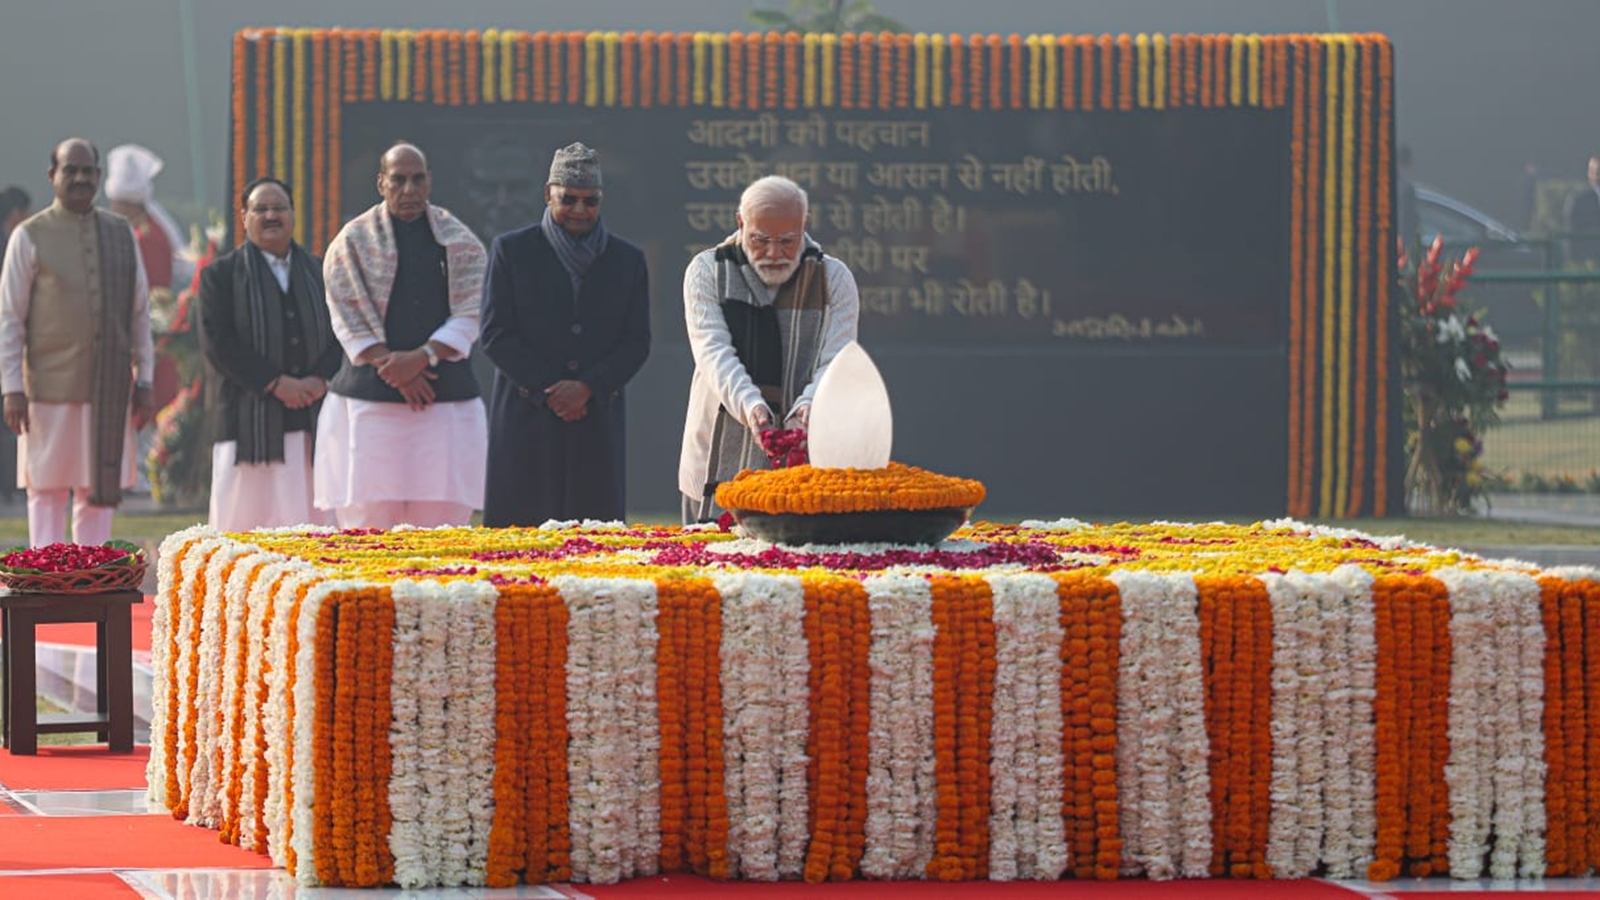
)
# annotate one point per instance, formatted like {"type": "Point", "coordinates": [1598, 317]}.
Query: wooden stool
{"type": "Point", "coordinates": [112, 614]}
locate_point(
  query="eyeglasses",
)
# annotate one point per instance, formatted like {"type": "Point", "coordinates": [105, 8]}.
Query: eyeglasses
{"type": "Point", "coordinates": [572, 200]}
{"type": "Point", "coordinates": [269, 210]}
{"type": "Point", "coordinates": [783, 242]}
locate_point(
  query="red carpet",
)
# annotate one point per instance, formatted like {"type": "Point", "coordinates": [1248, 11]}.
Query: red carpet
{"type": "Point", "coordinates": [63, 887]}
{"type": "Point", "coordinates": [686, 886]}
{"type": "Point", "coordinates": [75, 767]}
{"type": "Point", "coordinates": [115, 842]}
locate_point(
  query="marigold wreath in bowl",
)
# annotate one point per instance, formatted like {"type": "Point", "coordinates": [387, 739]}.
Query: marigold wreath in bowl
{"type": "Point", "coordinates": [73, 568]}
{"type": "Point", "coordinates": [804, 504]}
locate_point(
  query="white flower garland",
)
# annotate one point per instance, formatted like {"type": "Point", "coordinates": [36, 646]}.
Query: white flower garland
{"type": "Point", "coordinates": [205, 782]}
{"type": "Point", "coordinates": [302, 728]}
{"type": "Point", "coordinates": [474, 712]}
{"type": "Point", "coordinates": [171, 586]}
{"type": "Point", "coordinates": [1473, 721]}
{"type": "Point", "coordinates": [1358, 788]}
{"type": "Point", "coordinates": [418, 663]}
{"type": "Point", "coordinates": [234, 685]}
{"type": "Point", "coordinates": [1496, 768]}
{"type": "Point", "coordinates": [902, 799]}
{"type": "Point", "coordinates": [614, 727]}
{"type": "Point", "coordinates": [765, 662]}
{"type": "Point", "coordinates": [1027, 835]}
{"type": "Point", "coordinates": [1163, 751]}
{"type": "Point", "coordinates": [275, 718]}
{"type": "Point", "coordinates": [249, 739]}
{"type": "Point", "coordinates": [1295, 623]}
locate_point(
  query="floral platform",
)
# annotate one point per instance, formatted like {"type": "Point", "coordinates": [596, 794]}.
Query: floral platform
{"type": "Point", "coordinates": [593, 702]}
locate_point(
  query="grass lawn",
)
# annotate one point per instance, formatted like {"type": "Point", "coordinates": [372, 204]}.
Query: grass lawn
{"type": "Point", "coordinates": [1523, 442]}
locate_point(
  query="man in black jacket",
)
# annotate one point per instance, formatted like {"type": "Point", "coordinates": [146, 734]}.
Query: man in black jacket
{"type": "Point", "coordinates": [264, 326]}
{"type": "Point", "coordinates": [566, 322]}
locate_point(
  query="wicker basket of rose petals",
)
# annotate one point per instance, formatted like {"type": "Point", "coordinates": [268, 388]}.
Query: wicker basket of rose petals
{"type": "Point", "coordinates": [73, 568]}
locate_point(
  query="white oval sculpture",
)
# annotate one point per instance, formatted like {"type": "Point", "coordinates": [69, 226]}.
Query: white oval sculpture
{"type": "Point", "coordinates": [851, 424]}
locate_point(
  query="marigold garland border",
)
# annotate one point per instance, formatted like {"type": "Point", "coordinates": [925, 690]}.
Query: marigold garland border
{"type": "Point", "coordinates": [286, 117]}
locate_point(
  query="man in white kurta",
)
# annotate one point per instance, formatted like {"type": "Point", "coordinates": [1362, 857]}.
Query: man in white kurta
{"type": "Point", "coordinates": [402, 436]}
{"type": "Point", "coordinates": [74, 331]}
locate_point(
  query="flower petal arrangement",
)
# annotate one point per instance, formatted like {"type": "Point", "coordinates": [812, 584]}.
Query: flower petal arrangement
{"type": "Point", "coordinates": [807, 489]}
{"type": "Point", "coordinates": [594, 702]}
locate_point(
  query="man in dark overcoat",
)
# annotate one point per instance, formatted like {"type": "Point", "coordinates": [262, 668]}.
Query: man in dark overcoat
{"type": "Point", "coordinates": [566, 322]}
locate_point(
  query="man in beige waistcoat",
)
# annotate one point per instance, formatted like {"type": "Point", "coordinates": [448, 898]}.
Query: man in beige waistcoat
{"type": "Point", "coordinates": [75, 353]}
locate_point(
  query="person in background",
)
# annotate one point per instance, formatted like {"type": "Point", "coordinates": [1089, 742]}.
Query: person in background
{"type": "Point", "coordinates": [566, 322]}
{"type": "Point", "coordinates": [266, 334]}
{"type": "Point", "coordinates": [130, 186]}
{"type": "Point", "coordinates": [1582, 217]}
{"type": "Point", "coordinates": [767, 311]}
{"type": "Point", "coordinates": [131, 171]}
{"type": "Point", "coordinates": [75, 353]}
{"type": "Point", "coordinates": [401, 437]}
{"type": "Point", "coordinates": [14, 205]}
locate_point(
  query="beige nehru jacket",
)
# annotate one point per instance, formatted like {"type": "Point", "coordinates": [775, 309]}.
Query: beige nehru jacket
{"type": "Point", "coordinates": [66, 314]}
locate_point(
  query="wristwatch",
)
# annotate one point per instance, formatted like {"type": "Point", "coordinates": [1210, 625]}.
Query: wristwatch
{"type": "Point", "coordinates": [432, 355]}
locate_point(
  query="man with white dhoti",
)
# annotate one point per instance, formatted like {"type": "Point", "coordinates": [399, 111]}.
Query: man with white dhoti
{"type": "Point", "coordinates": [269, 344]}
{"type": "Point", "coordinates": [75, 353]}
{"type": "Point", "coordinates": [402, 435]}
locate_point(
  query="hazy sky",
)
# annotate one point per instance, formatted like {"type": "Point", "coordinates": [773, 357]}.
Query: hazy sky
{"type": "Point", "coordinates": [1484, 85]}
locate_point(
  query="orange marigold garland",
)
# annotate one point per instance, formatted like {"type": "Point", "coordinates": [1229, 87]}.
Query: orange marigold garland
{"type": "Point", "coordinates": [1125, 80]}
{"type": "Point", "coordinates": [263, 100]}
{"type": "Point", "coordinates": [1069, 63]}
{"type": "Point", "coordinates": [676, 602]}
{"type": "Point", "coordinates": [710, 702]}
{"type": "Point", "coordinates": [1364, 123]}
{"type": "Point", "coordinates": [887, 69]}
{"type": "Point", "coordinates": [1390, 846]}
{"type": "Point", "coordinates": [1091, 607]}
{"type": "Point", "coordinates": [1087, 55]}
{"type": "Point", "coordinates": [997, 72]}
{"type": "Point", "coordinates": [472, 89]}
{"type": "Point", "coordinates": [957, 54]}
{"type": "Point", "coordinates": [809, 489]}
{"type": "Point", "coordinates": [975, 91]}
{"type": "Point", "coordinates": [684, 60]}
{"type": "Point", "coordinates": [866, 51]}
{"type": "Point", "coordinates": [333, 753]}
{"type": "Point", "coordinates": [904, 67]}
{"type": "Point", "coordinates": [238, 110]}
{"type": "Point", "coordinates": [508, 831]}
{"type": "Point", "coordinates": [772, 73]}
{"type": "Point", "coordinates": [735, 70]}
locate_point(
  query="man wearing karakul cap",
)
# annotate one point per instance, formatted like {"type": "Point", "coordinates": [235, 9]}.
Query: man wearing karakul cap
{"type": "Point", "coordinates": [566, 322]}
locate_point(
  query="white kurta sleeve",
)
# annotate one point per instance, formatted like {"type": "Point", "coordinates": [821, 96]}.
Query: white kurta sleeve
{"type": "Point", "coordinates": [458, 332]}
{"type": "Point", "coordinates": [712, 343]}
{"type": "Point", "coordinates": [16, 293]}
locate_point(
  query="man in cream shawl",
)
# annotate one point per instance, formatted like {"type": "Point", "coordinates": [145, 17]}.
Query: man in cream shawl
{"type": "Point", "coordinates": [402, 434]}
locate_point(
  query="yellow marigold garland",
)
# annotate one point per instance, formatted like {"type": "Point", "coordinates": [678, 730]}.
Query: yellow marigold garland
{"type": "Point", "coordinates": [809, 489]}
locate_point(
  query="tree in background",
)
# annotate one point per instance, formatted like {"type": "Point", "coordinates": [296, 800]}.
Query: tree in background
{"type": "Point", "coordinates": [824, 16]}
